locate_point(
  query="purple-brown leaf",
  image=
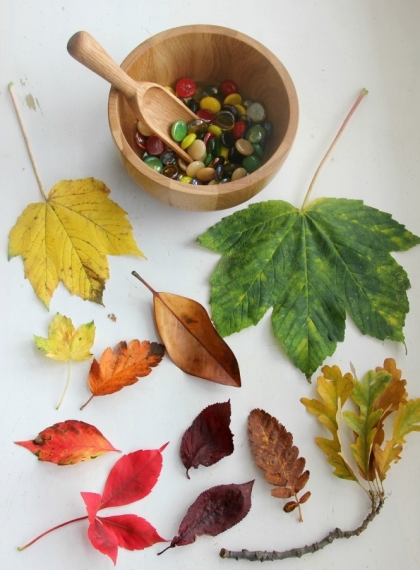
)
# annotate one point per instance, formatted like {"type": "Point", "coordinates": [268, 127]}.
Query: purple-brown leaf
{"type": "Point", "coordinates": [209, 437]}
{"type": "Point", "coordinates": [213, 512]}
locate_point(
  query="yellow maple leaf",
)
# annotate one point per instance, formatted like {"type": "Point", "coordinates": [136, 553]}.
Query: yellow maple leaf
{"type": "Point", "coordinates": [66, 343]}
{"type": "Point", "coordinates": [67, 238]}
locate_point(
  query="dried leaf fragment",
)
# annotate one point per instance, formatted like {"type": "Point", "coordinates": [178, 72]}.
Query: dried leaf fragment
{"type": "Point", "coordinates": [191, 340]}
{"type": "Point", "coordinates": [274, 453]}
{"type": "Point", "coordinates": [67, 443]}
{"type": "Point", "coordinates": [123, 366]}
{"type": "Point", "coordinates": [68, 237]}
{"type": "Point", "coordinates": [213, 512]}
{"type": "Point", "coordinates": [209, 438]}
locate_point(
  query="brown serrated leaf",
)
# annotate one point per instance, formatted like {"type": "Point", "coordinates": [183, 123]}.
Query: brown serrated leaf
{"type": "Point", "coordinates": [274, 452]}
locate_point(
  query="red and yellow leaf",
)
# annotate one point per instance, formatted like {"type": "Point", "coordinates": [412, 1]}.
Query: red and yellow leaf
{"type": "Point", "coordinates": [68, 442]}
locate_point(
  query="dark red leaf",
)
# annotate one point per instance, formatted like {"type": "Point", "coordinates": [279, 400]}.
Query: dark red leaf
{"type": "Point", "coordinates": [209, 438]}
{"type": "Point", "coordinates": [103, 539]}
{"type": "Point", "coordinates": [132, 532]}
{"type": "Point", "coordinates": [213, 512]}
{"type": "Point", "coordinates": [132, 477]}
{"type": "Point", "coordinates": [92, 502]}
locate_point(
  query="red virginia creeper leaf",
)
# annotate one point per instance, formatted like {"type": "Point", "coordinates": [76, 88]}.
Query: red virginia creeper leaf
{"type": "Point", "coordinates": [209, 438]}
{"type": "Point", "coordinates": [68, 442]}
{"type": "Point", "coordinates": [132, 477]}
{"type": "Point", "coordinates": [92, 502]}
{"type": "Point", "coordinates": [132, 532]}
{"type": "Point", "coordinates": [103, 538]}
{"type": "Point", "coordinates": [213, 512]}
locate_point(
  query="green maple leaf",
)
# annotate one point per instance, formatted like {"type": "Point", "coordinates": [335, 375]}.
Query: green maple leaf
{"type": "Point", "coordinates": [310, 265]}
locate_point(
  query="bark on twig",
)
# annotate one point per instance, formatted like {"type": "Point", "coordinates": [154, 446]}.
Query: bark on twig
{"type": "Point", "coordinates": [263, 555]}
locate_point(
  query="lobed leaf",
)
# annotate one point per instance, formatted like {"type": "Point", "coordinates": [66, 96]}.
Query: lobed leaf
{"type": "Point", "coordinates": [68, 237]}
{"type": "Point", "coordinates": [209, 438]}
{"type": "Point", "coordinates": [311, 266]}
{"type": "Point", "coordinates": [68, 442]}
{"type": "Point", "coordinates": [64, 342]}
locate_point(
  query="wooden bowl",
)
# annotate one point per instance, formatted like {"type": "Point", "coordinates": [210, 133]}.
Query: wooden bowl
{"type": "Point", "coordinates": [207, 54]}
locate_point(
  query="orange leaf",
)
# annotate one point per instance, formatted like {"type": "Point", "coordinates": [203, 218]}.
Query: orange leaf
{"type": "Point", "coordinates": [274, 452]}
{"type": "Point", "coordinates": [68, 442]}
{"type": "Point", "coordinates": [123, 366]}
{"type": "Point", "coordinates": [191, 340]}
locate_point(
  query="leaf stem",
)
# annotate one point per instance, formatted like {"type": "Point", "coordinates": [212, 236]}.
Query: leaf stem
{"type": "Point", "coordinates": [362, 93]}
{"type": "Point", "coordinates": [86, 403]}
{"type": "Point", "coordinates": [66, 386]}
{"type": "Point", "coordinates": [262, 556]}
{"type": "Point", "coordinates": [28, 146]}
{"type": "Point", "coordinates": [20, 548]}
{"type": "Point", "coordinates": [144, 282]}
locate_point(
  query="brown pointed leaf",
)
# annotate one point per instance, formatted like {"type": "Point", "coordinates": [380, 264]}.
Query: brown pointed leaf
{"type": "Point", "coordinates": [123, 366]}
{"type": "Point", "coordinates": [209, 438]}
{"type": "Point", "coordinates": [191, 340]}
{"type": "Point", "coordinates": [274, 452]}
{"type": "Point", "coordinates": [67, 443]}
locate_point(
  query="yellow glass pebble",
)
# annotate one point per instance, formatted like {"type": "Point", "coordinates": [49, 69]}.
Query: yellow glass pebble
{"type": "Point", "coordinates": [211, 104]}
{"type": "Point", "coordinates": [186, 180]}
{"type": "Point", "coordinates": [240, 108]}
{"type": "Point", "coordinates": [233, 99]}
{"type": "Point", "coordinates": [189, 139]}
{"type": "Point", "coordinates": [224, 152]}
{"type": "Point", "coordinates": [215, 130]}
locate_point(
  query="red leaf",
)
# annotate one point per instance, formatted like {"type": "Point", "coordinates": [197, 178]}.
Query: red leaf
{"type": "Point", "coordinates": [132, 532]}
{"type": "Point", "coordinates": [132, 477]}
{"type": "Point", "coordinates": [92, 502]}
{"type": "Point", "coordinates": [213, 512]}
{"type": "Point", "coordinates": [209, 438]}
{"type": "Point", "coordinates": [103, 539]}
{"type": "Point", "coordinates": [68, 442]}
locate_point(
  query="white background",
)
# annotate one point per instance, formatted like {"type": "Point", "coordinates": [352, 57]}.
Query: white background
{"type": "Point", "coordinates": [331, 48]}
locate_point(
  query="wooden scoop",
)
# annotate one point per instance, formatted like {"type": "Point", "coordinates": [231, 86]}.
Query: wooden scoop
{"type": "Point", "coordinates": [153, 105]}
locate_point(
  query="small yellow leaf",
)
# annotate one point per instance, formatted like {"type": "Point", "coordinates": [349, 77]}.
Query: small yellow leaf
{"type": "Point", "coordinates": [65, 343]}
{"type": "Point", "coordinates": [68, 237]}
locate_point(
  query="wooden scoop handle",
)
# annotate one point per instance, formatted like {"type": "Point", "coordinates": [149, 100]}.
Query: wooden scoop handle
{"type": "Point", "coordinates": [86, 50]}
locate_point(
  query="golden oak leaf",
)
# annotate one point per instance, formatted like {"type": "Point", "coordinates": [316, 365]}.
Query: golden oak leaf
{"type": "Point", "coordinates": [274, 452]}
{"type": "Point", "coordinates": [68, 237]}
{"type": "Point", "coordinates": [64, 342]}
{"type": "Point", "coordinates": [390, 400]}
{"type": "Point", "coordinates": [123, 366]}
{"type": "Point", "coordinates": [334, 389]}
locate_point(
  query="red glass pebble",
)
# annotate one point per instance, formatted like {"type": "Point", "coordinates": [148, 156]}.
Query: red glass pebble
{"type": "Point", "coordinates": [228, 87]}
{"type": "Point", "coordinates": [206, 115]}
{"type": "Point", "coordinates": [154, 145]}
{"type": "Point", "coordinates": [185, 88]}
{"type": "Point", "coordinates": [239, 129]}
{"type": "Point", "coordinates": [141, 140]}
{"type": "Point", "coordinates": [207, 137]}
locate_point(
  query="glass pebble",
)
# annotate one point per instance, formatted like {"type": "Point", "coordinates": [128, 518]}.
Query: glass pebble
{"type": "Point", "coordinates": [197, 150]}
{"type": "Point", "coordinates": [211, 104]}
{"type": "Point", "coordinates": [154, 145]}
{"type": "Point", "coordinates": [228, 139]}
{"type": "Point", "coordinates": [194, 167]}
{"type": "Point", "coordinates": [188, 140]}
{"type": "Point", "coordinates": [206, 115]}
{"type": "Point", "coordinates": [215, 130]}
{"type": "Point", "coordinates": [186, 179]}
{"type": "Point", "coordinates": [182, 164]}
{"type": "Point", "coordinates": [258, 150]}
{"type": "Point", "coordinates": [244, 147]}
{"type": "Point", "coordinates": [198, 127]}
{"type": "Point", "coordinates": [233, 99]}
{"type": "Point", "coordinates": [225, 120]}
{"type": "Point", "coordinates": [239, 173]}
{"type": "Point", "coordinates": [251, 163]}
{"type": "Point", "coordinates": [205, 174]}
{"type": "Point", "coordinates": [179, 130]}
{"type": "Point", "coordinates": [207, 137]}
{"type": "Point", "coordinates": [227, 87]}
{"type": "Point", "coordinates": [185, 87]}
{"type": "Point", "coordinates": [154, 163]}
{"type": "Point", "coordinates": [168, 157]}
{"type": "Point", "coordinates": [255, 134]}
{"type": "Point", "coordinates": [239, 129]}
{"type": "Point", "coordinates": [232, 109]}
{"type": "Point", "coordinates": [170, 171]}
{"type": "Point", "coordinates": [256, 112]}
{"type": "Point", "coordinates": [241, 109]}
{"type": "Point", "coordinates": [193, 105]}
{"type": "Point", "coordinates": [140, 140]}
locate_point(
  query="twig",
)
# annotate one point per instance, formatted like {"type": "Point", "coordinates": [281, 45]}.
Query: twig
{"type": "Point", "coordinates": [28, 146]}
{"type": "Point", "coordinates": [262, 556]}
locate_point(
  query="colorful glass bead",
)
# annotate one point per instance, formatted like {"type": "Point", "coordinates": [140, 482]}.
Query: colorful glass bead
{"type": "Point", "coordinates": [228, 139]}
{"type": "Point", "coordinates": [239, 129]}
{"type": "Point", "coordinates": [257, 112]}
{"type": "Point", "coordinates": [233, 99]}
{"type": "Point", "coordinates": [193, 105]}
{"type": "Point", "coordinates": [154, 163]}
{"type": "Point", "coordinates": [225, 120]}
{"type": "Point", "coordinates": [206, 115]}
{"type": "Point", "coordinates": [211, 104]}
{"type": "Point", "coordinates": [179, 130]}
{"type": "Point", "coordinates": [198, 127]}
{"type": "Point", "coordinates": [255, 134]}
{"type": "Point", "coordinates": [140, 140]}
{"type": "Point", "coordinates": [239, 173]}
{"type": "Point", "coordinates": [197, 150]}
{"type": "Point", "coordinates": [170, 171]}
{"type": "Point", "coordinates": [155, 145]}
{"type": "Point", "coordinates": [251, 163]}
{"type": "Point", "coordinates": [205, 174]}
{"type": "Point", "coordinates": [168, 157]}
{"type": "Point", "coordinates": [185, 87]}
{"type": "Point", "coordinates": [227, 87]}
{"type": "Point", "coordinates": [189, 139]}
{"type": "Point", "coordinates": [244, 147]}
{"type": "Point", "coordinates": [194, 167]}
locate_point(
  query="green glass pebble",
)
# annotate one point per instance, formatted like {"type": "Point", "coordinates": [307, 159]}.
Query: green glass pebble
{"type": "Point", "coordinates": [255, 134]}
{"type": "Point", "coordinates": [256, 112]}
{"type": "Point", "coordinates": [154, 163]}
{"type": "Point", "coordinates": [208, 159]}
{"type": "Point", "coordinates": [251, 163]}
{"type": "Point", "coordinates": [179, 131]}
{"type": "Point", "coordinates": [258, 150]}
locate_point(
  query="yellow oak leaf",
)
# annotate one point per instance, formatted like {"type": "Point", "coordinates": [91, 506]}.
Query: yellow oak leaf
{"type": "Point", "coordinates": [67, 238]}
{"type": "Point", "coordinates": [67, 344]}
{"type": "Point", "coordinates": [64, 342]}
